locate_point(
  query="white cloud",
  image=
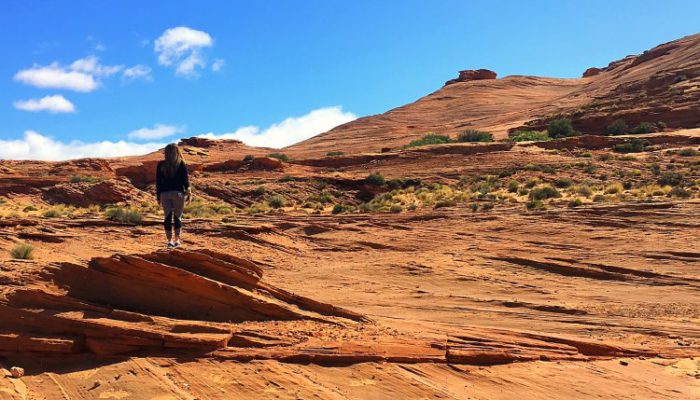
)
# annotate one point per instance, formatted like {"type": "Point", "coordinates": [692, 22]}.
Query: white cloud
{"type": "Point", "coordinates": [291, 130]}
{"type": "Point", "coordinates": [53, 104]}
{"type": "Point", "coordinates": [182, 47]}
{"type": "Point", "coordinates": [158, 131]}
{"type": "Point", "coordinates": [55, 77]}
{"type": "Point", "coordinates": [82, 75]}
{"type": "Point", "coordinates": [217, 65]}
{"type": "Point", "coordinates": [91, 65]}
{"type": "Point", "coordinates": [137, 72]}
{"type": "Point", "coordinates": [35, 146]}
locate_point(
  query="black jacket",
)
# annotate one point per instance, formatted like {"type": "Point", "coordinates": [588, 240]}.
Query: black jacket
{"type": "Point", "coordinates": [179, 182]}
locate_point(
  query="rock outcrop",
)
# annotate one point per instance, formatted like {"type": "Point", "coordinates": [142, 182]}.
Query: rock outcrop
{"type": "Point", "coordinates": [111, 191]}
{"type": "Point", "coordinates": [472, 75]}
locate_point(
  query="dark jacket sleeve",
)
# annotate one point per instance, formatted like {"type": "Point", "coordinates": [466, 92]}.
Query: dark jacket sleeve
{"type": "Point", "coordinates": [185, 177]}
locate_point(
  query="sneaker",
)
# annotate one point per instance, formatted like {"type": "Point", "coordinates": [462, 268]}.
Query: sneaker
{"type": "Point", "coordinates": [176, 244]}
{"type": "Point", "coordinates": [171, 245]}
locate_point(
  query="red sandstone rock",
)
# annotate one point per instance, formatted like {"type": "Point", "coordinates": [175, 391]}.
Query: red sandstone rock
{"type": "Point", "coordinates": [472, 75]}
{"type": "Point", "coordinates": [593, 71]}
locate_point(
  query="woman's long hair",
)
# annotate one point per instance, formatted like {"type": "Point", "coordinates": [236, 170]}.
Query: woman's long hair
{"type": "Point", "coordinates": [173, 159]}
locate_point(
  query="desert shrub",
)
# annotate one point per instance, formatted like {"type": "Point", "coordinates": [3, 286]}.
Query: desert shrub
{"type": "Point", "coordinates": [52, 212]}
{"type": "Point", "coordinates": [688, 152]}
{"type": "Point", "coordinates": [633, 146]}
{"type": "Point", "coordinates": [627, 185]}
{"type": "Point", "coordinates": [287, 178]}
{"type": "Point", "coordinates": [645, 127]}
{"type": "Point", "coordinates": [248, 158]}
{"type": "Point", "coordinates": [473, 135]}
{"type": "Point", "coordinates": [670, 179]}
{"type": "Point", "coordinates": [543, 192]}
{"type": "Point", "coordinates": [618, 127]}
{"type": "Point", "coordinates": [575, 203]}
{"type": "Point", "coordinates": [22, 251]}
{"type": "Point", "coordinates": [84, 179]}
{"type": "Point", "coordinates": [513, 186]}
{"type": "Point", "coordinates": [29, 208]}
{"type": "Point", "coordinates": [586, 154]}
{"type": "Point", "coordinates": [627, 157]}
{"type": "Point", "coordinates": [655, 168]}
{"type": "Point", "coordinates": [614, 188]}
{"type": "Point", "coordinates": [528, 136]}
{"type": "Point", "coordinates": [339, 208]}
{"type": "Point", "coordinates": [123, 214]}
{"type": "Point", "coordinates": [560, 128]}
{"type": "Point", "coordinates": [599, 198]}
{"type": "Point", "coordinates": [259, 191]}
{"type": "Point", "coordinates": [534, 205]}
{"type": "Point", "coordinates": [276, 201]}
{"type": "Point", "coordinates": [605, 157]}
{"type": "Point", "coordinates": [563, 182]}
{"type": "Point", "coordinates": [375, 179]}
{"type": "Point", "coordinates": [334, 153]}
{"type": "Point", "coordinates": [532, 183]}
{"type": "Point", "coordinates": [678, 191]}
{"type": "Point", "coordinates": [429, 139]}
{"type": "Point", "coordinates": [584, 190]}
{"type": "Point", "coordinates": [445, 203]}
{"type": "Point", "coordinates": [279, 156]}
{"type": "Point", "coordinates": [396, 209]}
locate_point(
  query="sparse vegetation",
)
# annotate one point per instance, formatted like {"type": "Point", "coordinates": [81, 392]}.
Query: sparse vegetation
{"type": "Point", "coordinates": [619, 127]}
{"type": "Point", "coordinates": [561, 128]}
{"type": "Point", "coordinates": [474, 135]}
{"type": "Point", "coordinates": [276, 201]}
{"type": "Point", "coordinates": [259, 191]}
{"type": "Point", "coordinates": [335, 153]}
{"type": "Point", "coordinates": [563, 182]}
{"type": "Point", "coordinates": [84, 179]}
{"type": "Point", "coordinates": [279, 156]}
{"type": "Point", "coordinates": [645, 127]}
{"type": "Point", "coordinates": [543, 192]}
{"type": "Point", "coordinates": [22, 251]}
{"type": "Point", "coordinates": [248, 158]}
{"type": "Point", "coordinates": [528, 136]}
{"type": "Point", "coordinates": [670, 179]}
{"type": "Point", "coordinates": [429, 139]}
{"type": "Point", "coordinates": [633, 146]}
{"type": "Point", "coordinates": [375, 179]}
{"type": "Point", "coordinates": [338, 208]}
{"type": "Point", "coordinates": [688, 152]}
{"type": "Point", "coordinates": [287, 178]}
{"type": "Point", "coordinates": [123, 214]}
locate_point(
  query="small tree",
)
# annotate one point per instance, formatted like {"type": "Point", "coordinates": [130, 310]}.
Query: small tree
{"type": "Point", "coordinates": [560, 128]}
{"type": "Point", "coordinates": [473, 135]}
{"type": "Point", "coordinates": [619, 127]}
{"type": "Point", "coordinates": [375, 179]}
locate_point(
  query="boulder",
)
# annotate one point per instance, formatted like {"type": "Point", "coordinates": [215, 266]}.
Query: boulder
{"type": "Point", "coordinates": [17, 372]}
{"type": "Point", "coordinates": [266, 164]}
{"type": "Point", "coordinates": [472, 75]}
{"type": "Point", "coordinates": [593, 71]}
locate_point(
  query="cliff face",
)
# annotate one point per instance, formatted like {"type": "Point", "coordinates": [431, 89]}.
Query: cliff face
{"type": "Point", "coordinates": [661, 84]}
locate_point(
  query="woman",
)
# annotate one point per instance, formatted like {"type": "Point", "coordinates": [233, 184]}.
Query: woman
{"type": "Point", "coordinates": [172, 189]}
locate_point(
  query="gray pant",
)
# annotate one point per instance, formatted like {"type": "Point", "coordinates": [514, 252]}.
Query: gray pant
{"type": "Point", "coordinates": [173, 203]}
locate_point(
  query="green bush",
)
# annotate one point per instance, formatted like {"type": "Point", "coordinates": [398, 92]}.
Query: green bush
{"type": "Point", "coordinates": [84, 179]}
{"type": "Point", "coordinates": [123, 214]}
{"type": "Point", "coordinates": [429, 139]}
{"type": "Point", "coordinates": [670, 179]}
{"type": "Point", "coordinates": [248, 158]}
{"type": "Point", "coordinates": [575, 203]}
{"type": "Point", "coordinates": [339, 208]}
{"type": "Point", "coordinates": [375, 179]}
{"type": "Point", "coordinates": [633, 146]}
{"type": "Point", "coordinates": [22, 251]}
{"type": "Point", "coordinates": [513, 186]}
{"type": "Point", "coordinates": [619, 127]}
{"type": "Point", "coordinates": [276, 201]}
{"type": "Point", "coordinates": [259, 191]}
{"type": "Point", "coordinates": [52, 213]}
{"type": "Point", "coordinates": [543, 192]}
{"type": "Point", "coordinates": [528, 136]}
{"type": "Point", "coordinates": [688, 152]}
{"type": "Point", "coordinates": [563, 182]}
{"type": "Point", "coordinates": [29, 208]}
{"type": "Point", "coordinates": [584, 190]}
{"type": "Point", "coordinates": [396, 209]}
{"type": "Point", "coordinates": [678, 191]}
{"type": "Point", "coordinates": [287, 178]}
{"type": "Point", "coordinates": [474, 135]}
{"type": "Point", "coordinates": [335, 153]}
{"type": "Point", "coordinates": [445, 203]}
{"type": "Point", "coordinates": [534, 205]}
{"type": "Point", "coordinates": [560, 128]}
{"type": "Point", "coordinates": [645, 127]}
{"type": "Point", "coordinates": [279, 156]}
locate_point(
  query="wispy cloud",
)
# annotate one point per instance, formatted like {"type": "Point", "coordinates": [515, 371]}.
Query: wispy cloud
{"type": "Point", "coordinates": [291, 130]}
{"type": "Point", "coordinates": [53, 104]}
{"type": "Point", "coordinates": [158, 131]}
{"type": "Point", "coordinates": [82, 75]}
{"type": "Point", "coordinates": [35, 146]}
{"type": "Point", "coordinates": [137, 72]}
{"type": "Point", "coordinates": [181, 47]}
{"type": "Point", "coordinates": [217, 65]}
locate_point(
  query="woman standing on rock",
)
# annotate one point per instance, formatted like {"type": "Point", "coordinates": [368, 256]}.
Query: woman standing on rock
{"type": "Point", "coordinates": [172, 189]}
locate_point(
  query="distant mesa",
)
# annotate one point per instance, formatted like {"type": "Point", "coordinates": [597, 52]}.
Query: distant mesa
{"type": "Point", "coordinates": [472, 75]}
{"type": "Point", "coordinates": [593, 71]}
{"type": "Point", "coordinates": [204, 142]}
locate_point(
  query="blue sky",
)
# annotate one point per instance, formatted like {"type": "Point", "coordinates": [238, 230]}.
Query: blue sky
{"type": "Point", "coordinates": [124, 77]}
